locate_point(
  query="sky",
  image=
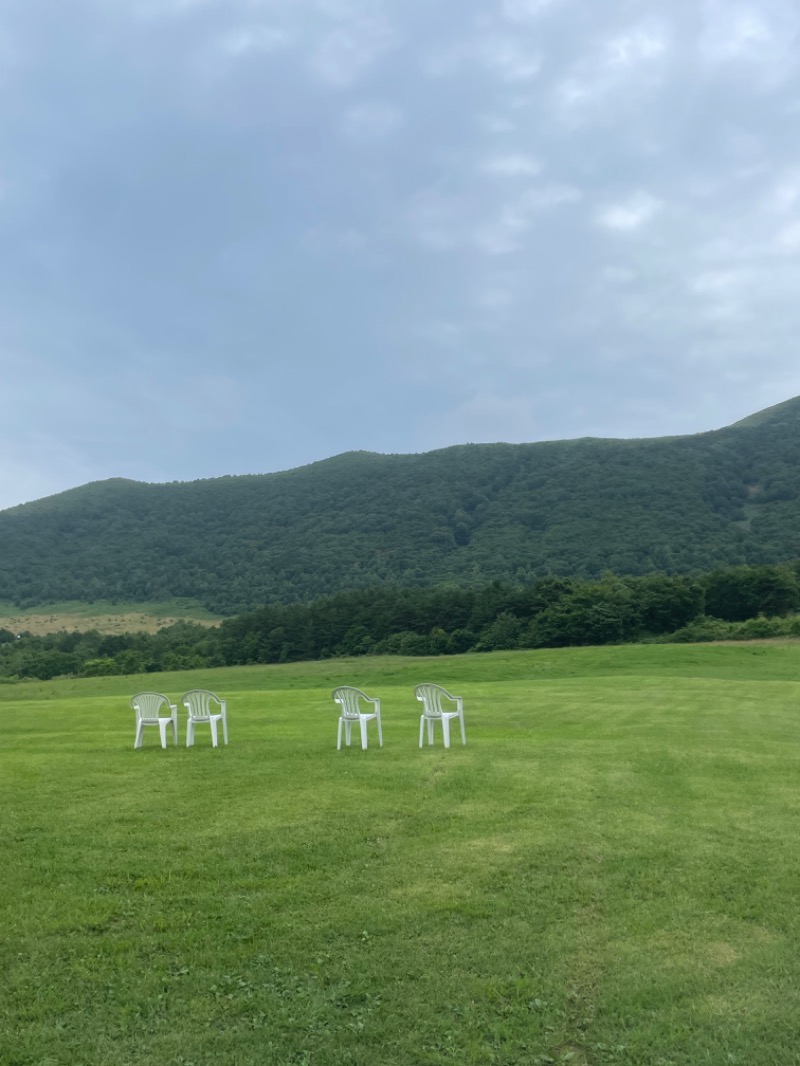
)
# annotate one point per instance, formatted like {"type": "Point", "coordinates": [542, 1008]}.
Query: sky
{"type": "Point", "coordinates": [240, 236]}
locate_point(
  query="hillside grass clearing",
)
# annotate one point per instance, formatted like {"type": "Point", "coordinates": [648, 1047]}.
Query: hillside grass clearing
{"type": "Point", "coordinates": [606, 874]}
{"type": "Point", "coordinates": [103, 616]}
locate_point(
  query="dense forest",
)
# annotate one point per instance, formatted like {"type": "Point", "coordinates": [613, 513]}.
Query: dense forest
{"type": "Point", "coordinates": [464, 515]}
{"type": "Point", "coordinates": [552, 612]}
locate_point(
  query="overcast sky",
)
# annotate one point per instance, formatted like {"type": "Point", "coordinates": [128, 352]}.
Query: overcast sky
{"type": "Point", "coordinates": [238, 236]}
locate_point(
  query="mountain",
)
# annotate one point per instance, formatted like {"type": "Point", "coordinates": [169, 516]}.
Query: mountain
{"type": "Point", "coordinates": [461, 515]}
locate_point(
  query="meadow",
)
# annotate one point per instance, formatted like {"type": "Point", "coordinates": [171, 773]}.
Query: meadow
{"type": "Point", "coordinates": [607, 873]}
{"type": "Point", "coordinates": [102, 615]}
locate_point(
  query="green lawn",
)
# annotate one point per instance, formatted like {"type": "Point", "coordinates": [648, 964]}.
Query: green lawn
{"type": "Point", "coordinates": [608, 873]}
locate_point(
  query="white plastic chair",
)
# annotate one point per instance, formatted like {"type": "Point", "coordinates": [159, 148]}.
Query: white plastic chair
{"type": "Point", "coordinates": [148, 706]}
{"type": "Point", "coordinates": [431, 696]}
{"type": "Point", "coordinates": [349, 700]}
{"type": "Point", "coordinates": [204, 707]}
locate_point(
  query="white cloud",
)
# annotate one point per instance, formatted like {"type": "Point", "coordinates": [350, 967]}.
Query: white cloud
{"type": "Point", "coordinates": [495, 298]}
{"type": "Point", "coordinates": [526, 10]}
{"type": "Point", "coordinates": [485, 417]}
{"type": "Point", "coordinates": [246, 39]}
{"type": "Point", "coordinates": [507, 232]}
{"type": "Point", "coordinates": [497, 125]}
{"type": "Point", "coordinates": [437, 220]}
{"type": "Point", "coordinates": [789, 238]}
{"type": "Point", "coordinates": [734, 32]}
{"type": "Point", "coordinates": [764, 38]}
{"type": "Point", "coordinates": [717, 282]}
{"type": "Point", "coordinates": [505, 58]}
{"type": "Point", "coordinates": [630, 214]}
{"type": "Point", "coordinates": [784, 195]}
{"type": "Point", "coordinates": [625, 67]}
{"type": "Point", "coordinates": [153, 10]}
{"type": "Point", "coordinates": [510, 60]}
{"type": "Point", "coordinates": [371, 120]}
{"type": "Point", "coordinates": [347, 51]}
{"type": "Point", "coordinates": [637, 45]}
{"type": "Point", "coordinates": [512, 166]}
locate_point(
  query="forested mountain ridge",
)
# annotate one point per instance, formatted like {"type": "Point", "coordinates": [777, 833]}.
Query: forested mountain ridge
{"type": "Point", "coordinates": [461, 515]}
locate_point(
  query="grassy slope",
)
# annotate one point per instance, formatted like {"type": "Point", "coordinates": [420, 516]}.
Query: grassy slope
{"type": "Point", "coordinates": [606, 874]}
{"type": "Point", "coordinates": [103, 616]}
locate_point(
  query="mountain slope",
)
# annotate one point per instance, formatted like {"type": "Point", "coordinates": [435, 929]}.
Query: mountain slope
{"type": "Point", "coordinates": [463, 514]}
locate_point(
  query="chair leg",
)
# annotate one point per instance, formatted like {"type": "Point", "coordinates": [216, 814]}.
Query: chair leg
{"type": "Point", "coordinates": [175, 731]}
{"type": "Point", "coordinates": [139, 731]}
{"type": "Point", "coordinates": [463, 733]}
{"type": "Point", "coordinates": [162, 728]}
{"type": "Point", "coordinates": [339, 736]}
{"type": "Point", "coordinates": [430, 731]}
{"type": "Point", "coordinates": [213, 724]}
{"type": "Point", "coordinates": [380, 731]}
{"type": "Point", "coordinates": [446, 731]}
{"type": "Point", "coordinates": [189, 733]}
{"type": "Point", "coordinates": [362, 722]}
{"type": "Point", "coordinates": [421, 728]}
{"type": "Point", "coordinates": [224, 727]}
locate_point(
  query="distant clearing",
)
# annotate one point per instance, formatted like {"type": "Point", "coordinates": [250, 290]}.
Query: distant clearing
{"type": "Point", "coordinates": [103, 616]}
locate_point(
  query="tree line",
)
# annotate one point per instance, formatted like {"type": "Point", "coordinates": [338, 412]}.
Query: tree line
{"type": "Point", "coordinates": [551, 612]}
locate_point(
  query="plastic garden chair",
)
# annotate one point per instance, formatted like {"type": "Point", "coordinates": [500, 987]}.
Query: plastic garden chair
{"type": "Point", "coordinates": [431, 696]}
{"type": "Point", "coordinates": [149, 707]}
{"type": "Point", "coordinates": [349, 699]}
{"type": "Point", "coordinates": [204, 708]}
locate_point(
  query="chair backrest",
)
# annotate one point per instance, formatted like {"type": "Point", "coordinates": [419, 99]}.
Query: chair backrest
{"type": "Point", "coordinates": [148, 704]}
{"type": "Point", "coordinates": [199, 702]}
{"type": "Point", "coordinates": [348, 697]}
{"type": "Point", "coordinates": [431, 697]}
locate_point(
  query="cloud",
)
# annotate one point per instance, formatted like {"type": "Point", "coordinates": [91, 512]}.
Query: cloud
{"type": "Point", "coordinates": [353, 46]}
{"type": "Point", "coordinates": [640, 44]}
{"type": "Point", "coordinates": [526, 10]}
{"type": "Point", "coordinates": [510, 60]}
{"type": "Point", "coordinates": [312, 190]}
{"type": "Point", "coordinates": [484, 417]}
{"type": "Point", "coordinates": [789, 238]}
{"type": "Point", "coordinates": [630, 214]}
{"type": "Point", "coordinates": [625, 67]}
{"type": "Point", "coordinates": [371, 120]}
{"type": "Point", "coordinates": [784, 195]}
{"type": "Point", "coordinates": [262, 39]}
{"type": "Point", "coordinates": [762, 39]}
{"type": "Point", "coordinates": [512, 166]}
{"type": "Point", "coordinates": [508, 230]}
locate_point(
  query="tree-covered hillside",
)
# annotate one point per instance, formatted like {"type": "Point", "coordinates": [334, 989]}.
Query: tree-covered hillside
{"type": "Point", "coordinates": [461, 515]}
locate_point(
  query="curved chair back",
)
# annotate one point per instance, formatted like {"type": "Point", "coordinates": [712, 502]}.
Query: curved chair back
{"type": "Point", "coordinates": [199, 702]}
{"type": "Point", "coordinates": [430, 696]}
{"type": "Point", "coordinates": [148, 704]}
{"type": "Point", "coordinates": [348, 697]}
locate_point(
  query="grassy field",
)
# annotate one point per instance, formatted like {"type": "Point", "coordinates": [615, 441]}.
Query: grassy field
{"type": "Point", "coordinates": [608, 873]}
{"type": "Point", "coordinates": [103, 616]}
